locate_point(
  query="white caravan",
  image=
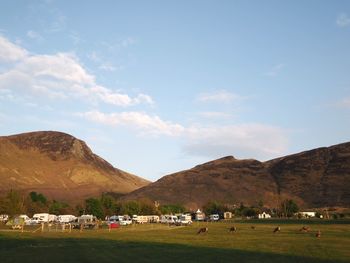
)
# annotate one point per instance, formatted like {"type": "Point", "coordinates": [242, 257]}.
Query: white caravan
{"type": "Point", "coordinates": [43, 218]}
{"type": "Point", "coordinates": [185, 219]}
{"type": "Point", "coordinates": [66, 218]}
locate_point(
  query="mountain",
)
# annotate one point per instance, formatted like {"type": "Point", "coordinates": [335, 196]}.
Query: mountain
{"type": "Point", "coordinates": [316, 178]}
{"type": "Point", "coordinates": [59, 166]}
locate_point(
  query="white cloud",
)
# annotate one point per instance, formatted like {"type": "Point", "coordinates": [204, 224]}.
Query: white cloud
{"type": "Point", "coordinates": [343, 20]}
{"type": "Point", "coordinates": [10, 52]}
{"type": "Point", "coordinates": [107, 67]}
{"type": "Point", "coordinates": [143, 122]}
{"type": "Point", "coordinates": [221, 96]}
{"type": "Point", "coordinates": [34, 35]}
{"type": "Point", "coordinates": [56, 76]}
{"type": "Point", "coordinates": [275, 70]}
{"type": "Point", "coordinates": [244, 140]}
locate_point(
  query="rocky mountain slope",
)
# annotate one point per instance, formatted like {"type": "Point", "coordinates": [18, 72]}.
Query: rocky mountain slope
{"type": "Point", "coordinates": [315, 178]}
{"type": "Point", "coordinates": [60, 166]}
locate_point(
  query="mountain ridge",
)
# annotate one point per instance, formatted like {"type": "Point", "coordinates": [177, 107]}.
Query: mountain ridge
{"type": "Point", "coordinates": [314, 178]}
{"type": "Point", "coordinates": [60, 166]}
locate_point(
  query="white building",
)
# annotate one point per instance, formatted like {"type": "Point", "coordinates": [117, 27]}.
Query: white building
{"type": "Point", "coordinates": [264, 215]}
{"type": "Point", "coordinates": [308, 214]}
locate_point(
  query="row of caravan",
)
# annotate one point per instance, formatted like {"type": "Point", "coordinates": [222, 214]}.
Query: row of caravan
{"type": "Point", "coordinates": [46, 218]}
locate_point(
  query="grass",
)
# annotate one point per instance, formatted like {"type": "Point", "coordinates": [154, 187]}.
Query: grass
{"type": "Point", "coordinates": [161, 243]}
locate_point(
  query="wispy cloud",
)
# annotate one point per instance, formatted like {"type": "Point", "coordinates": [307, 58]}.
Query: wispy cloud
{"type": "Point", "coordinates": [220, 96]}
{"type": "Point", "coordinates": [103, 65]}
{"type": "Point", "coordinates": [343, 20]}
{"type": "Point", "coordinates": [34, 35]}
{"type": "Point", "coordinates": [10, 52]}
{"type": "Point", "coordinates": [144, 123]}
{"type": "Point", "coordinates": [251, 140]}
{"type": "Point", "coordinates": [275, 70]}
{"type": "Point", "coordinates": [59, 22]}
{"type": "Point", "coordinates": [245, 140]}
{"type": "Point", "coordinates": [214, 115]}
{"type": "Point", "coordinates": [344, 103]}
{"type": "Point", "coordinates": [59, 76]}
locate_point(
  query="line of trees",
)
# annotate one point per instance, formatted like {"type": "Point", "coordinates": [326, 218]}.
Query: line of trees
{"type": "Point", "coordinates": [15, 203]}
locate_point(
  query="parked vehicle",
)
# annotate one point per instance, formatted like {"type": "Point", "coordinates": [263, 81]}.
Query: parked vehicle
{"type": "Point", "coordinates": [121, 220]}
{"type": "Point", "coordinates": [169, 219]}
{"type": "Point", "coordinates": [139, 219]}
{"type": "Point", "coordinates": [4, 218]}
{"type": "Point", "coordinates": [214, 217]}
{"type": "Point", "coordinates": [87, 221]}
{"type": "Point", "coordinates": [43, 218]}
{"type": "Point", "coordinates": [185, 219]}
{"type": "Point", "coordinates": [66, 218]}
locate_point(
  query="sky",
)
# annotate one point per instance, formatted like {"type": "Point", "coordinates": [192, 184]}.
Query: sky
{"type": "Point", "coordinates": [156, 87]}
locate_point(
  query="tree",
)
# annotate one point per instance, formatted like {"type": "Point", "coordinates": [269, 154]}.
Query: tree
{"type": "Point", "coordinates": [214, 208]}
{"type": "Point", "coordinates": [93, 206]}
{"type": "Point", "coordinates": [289, 208]}
{"type": "Point", "coordinates": [172, 209]}
{"type": "Point", "coordinates": [13, 203]}
{"type": "Point", "coordinates": [59, 208]}
{"type": "Point", "coordinates": [37, 197]}
{"type": "Point", "coordinates": [108, 204]}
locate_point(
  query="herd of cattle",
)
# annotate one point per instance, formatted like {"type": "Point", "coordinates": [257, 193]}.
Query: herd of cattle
{"type": "Point", "coordinates": [233, 229]}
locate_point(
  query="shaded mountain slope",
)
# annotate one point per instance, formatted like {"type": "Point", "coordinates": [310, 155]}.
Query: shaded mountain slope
{"type": "Point", "coordinates": [315, 178]}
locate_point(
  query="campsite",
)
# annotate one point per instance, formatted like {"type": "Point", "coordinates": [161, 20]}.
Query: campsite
{"type": "Point", "coordinates": [164, 243]}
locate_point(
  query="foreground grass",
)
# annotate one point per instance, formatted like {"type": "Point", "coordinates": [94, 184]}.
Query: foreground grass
{"type": "Point", "coordinates": [160, 243]}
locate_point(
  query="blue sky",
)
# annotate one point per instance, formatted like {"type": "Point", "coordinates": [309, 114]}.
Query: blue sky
{"type": "Point", "coordinates": [155, 87]}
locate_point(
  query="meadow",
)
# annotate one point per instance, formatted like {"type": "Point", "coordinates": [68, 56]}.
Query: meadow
{"type": "Point", "coordinates": [162, 243]}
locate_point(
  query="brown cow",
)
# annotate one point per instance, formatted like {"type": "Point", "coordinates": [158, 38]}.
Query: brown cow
{"type": "Point", "coordinates": [277, 229]}
{"type": "Point", "coordinates": [304, 229]}
{"type": "Point", "coordinates": [232, 229]}
{"type": "Point", "coordinates": [202, 230]}
{"type": "Point", "coordinates": [318, 234]}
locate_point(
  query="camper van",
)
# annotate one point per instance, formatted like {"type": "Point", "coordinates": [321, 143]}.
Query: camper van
{"type": "Point", "coordinates": [43, 218]}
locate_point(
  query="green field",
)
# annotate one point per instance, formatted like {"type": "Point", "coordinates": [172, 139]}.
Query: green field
{"type": "Point", "coordinates": [161, 243]}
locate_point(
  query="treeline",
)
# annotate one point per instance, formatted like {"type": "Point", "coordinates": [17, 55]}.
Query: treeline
{"type": "Point", "coordinates": [287, 208]}
{"type": "Point", "coordinates": [15, 203]}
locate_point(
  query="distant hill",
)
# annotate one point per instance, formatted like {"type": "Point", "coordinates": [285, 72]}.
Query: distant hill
{"type": "Point", "coordinates": [316, 178]}
{"type": "Point", "coordinates": [60, 166]}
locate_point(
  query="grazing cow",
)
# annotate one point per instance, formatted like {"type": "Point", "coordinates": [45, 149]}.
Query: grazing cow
{"type": "Point", "coordinates": [202, 230]}
{"type": "Point", "coordinates": [232, 229]}
{"type": "Point", "coordinates": [304, 229]}
{"type": "Point", "coordinates": [252, 227]}
{"type": "Point", "coordinates": [318, 234]}
{"type": "Point", "coordinates": [277, 229]}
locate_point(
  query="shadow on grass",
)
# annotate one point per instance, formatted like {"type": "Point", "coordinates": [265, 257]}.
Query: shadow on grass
{"type": "Point", "coordinates": [99, 250]}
